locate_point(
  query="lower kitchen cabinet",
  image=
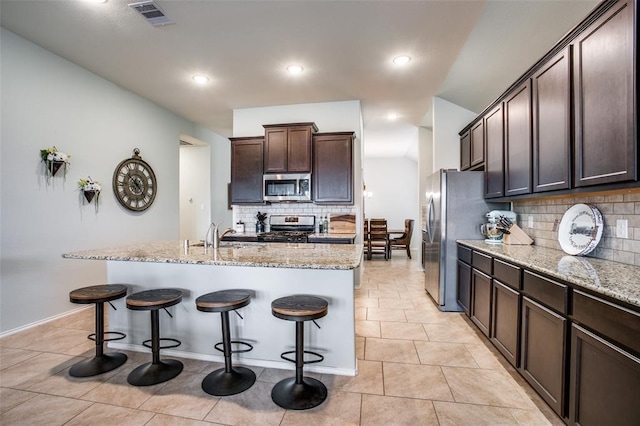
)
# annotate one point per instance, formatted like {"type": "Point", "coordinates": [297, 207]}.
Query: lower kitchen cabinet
{"type": "Point", "coordinates": [543, 363]}
{"type": "Point", "coordinates": [464, 286]}
{"type": "Point", "coordinates": [605, 382]}
{"type": "Point", "coordinates": [481, 300]}
{"type": "Point", "coordinates": [505, 330]}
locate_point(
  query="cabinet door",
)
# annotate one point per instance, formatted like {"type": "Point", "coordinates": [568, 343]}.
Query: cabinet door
{"type": "Point", "coordinates": [505, 324]}
{"type": "Point", "coordinates": [517, 125]}
{"type": "Point", "coordinates": [552, 124]}
{"type": "Point", "coordinates": [464, 286]}
{"type": "Point", "coordinates": [465, 150]}
{"type": "Point", "coordinates": [332, 177]}
{"type": "Point", "coordinates": [481, 300]}
{"type": "Point", "coordinates": [299, 149]}
{"type": "Point", "coordinates": [605, 147]}
{"type": "Point", "coordinates": [275, 150]}
{"type": "Point", "coordinates": [494, 163]}
{"type": "Point", "coordinates": [605, 382]}
{"type": "Point", "coordinates": [477, 144]}
{"type": "Point", "coordinates": [246, 170]}
{"type": "Point", "coordinates": [543, 352]}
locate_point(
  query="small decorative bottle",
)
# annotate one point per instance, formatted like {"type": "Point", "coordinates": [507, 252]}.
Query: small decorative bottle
{"type": "Point", "coordinates": [321, 225]}
{"type": "Point", "coordinates": [325, 224]}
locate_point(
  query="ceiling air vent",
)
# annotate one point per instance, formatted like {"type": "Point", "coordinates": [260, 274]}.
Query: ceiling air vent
{"type": "Point", "coordinates": [151, 12]}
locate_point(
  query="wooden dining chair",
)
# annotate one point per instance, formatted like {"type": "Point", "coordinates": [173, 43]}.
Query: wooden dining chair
{"type": "Point", "coordinates": [378, 238]}
{"type": "Point", "coordinates": [404, 241]}
{"type": "Point", "coordinates": [365, 235]}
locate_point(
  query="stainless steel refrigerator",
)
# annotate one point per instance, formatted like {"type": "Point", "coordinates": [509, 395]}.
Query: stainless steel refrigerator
{"type": "Point", "coordinates": [455, 209]}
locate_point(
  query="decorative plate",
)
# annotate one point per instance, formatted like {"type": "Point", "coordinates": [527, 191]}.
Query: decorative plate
{"type": "Point", "coordinates": [580, 229]}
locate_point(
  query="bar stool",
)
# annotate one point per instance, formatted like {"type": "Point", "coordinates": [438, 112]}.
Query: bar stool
{"type": "Point", "coordinates": [101, 362]}
{"type": "Point", "coordinates": [156, 371]}
{"type": "Point", "coordinates": [299, 393]}
{"type": "Point", "coordinates": [228, 380]}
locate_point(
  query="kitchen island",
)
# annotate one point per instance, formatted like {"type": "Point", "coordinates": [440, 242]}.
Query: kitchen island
{"type": "Point", "coordinates": [267, 270]}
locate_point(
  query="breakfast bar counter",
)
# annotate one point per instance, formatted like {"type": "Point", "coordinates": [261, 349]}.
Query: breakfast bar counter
{"type": "Point", "coordinates": [267, 270]}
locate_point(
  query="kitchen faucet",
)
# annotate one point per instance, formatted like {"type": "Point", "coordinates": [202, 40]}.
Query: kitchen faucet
{"type": "Point", "coordinates": [215, 236]}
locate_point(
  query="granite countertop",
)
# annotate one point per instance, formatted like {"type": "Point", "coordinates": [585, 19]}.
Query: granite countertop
{"type": "Point", "coordinates": [333, 236]}
{"type": "Point", "coordinates": [270, 255]}
{"type": "Point", "coordinates": [617, 280]}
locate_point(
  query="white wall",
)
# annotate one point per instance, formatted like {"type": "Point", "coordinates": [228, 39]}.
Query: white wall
{"type": "Point", "coordinates": [425, 153]}
{"type": "Point", "coordinates": [394, 184]}
{"type": "Point", "coordinates": [48, 101]}
{"type": "Point", "coordinates": [448, 120]}
{"type": "Point", "coordinates": [195, 192]}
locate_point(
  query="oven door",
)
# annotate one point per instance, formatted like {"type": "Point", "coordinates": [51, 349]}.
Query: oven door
{"type": "Point", "coordinates": [287, 187]}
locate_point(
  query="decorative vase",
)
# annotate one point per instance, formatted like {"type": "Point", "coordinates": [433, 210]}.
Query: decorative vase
{"type": "Point", "coordinates": [54, 166]}
{"type": "Point", "coordinates": [259, 227]}
{"type": "Point", "coordinates": [89, 195]}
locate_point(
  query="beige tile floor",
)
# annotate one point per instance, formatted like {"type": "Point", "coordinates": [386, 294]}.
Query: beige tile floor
{"type": "Point", "coordinates": [417, 366]}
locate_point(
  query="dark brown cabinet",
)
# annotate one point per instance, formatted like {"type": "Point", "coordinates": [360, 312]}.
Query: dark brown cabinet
{"type": "Point", "coordinates": [332, 178]}
{"type": "Point", "coordinates": [517, 141]}
{"type": "Point", "coordinates": [246, 170]}
{"type": "Point", "coordinates": [477, 144]}
{"type": "Point", "coordinates": [604, 93]}
{"type": "Point", "coordinates": [505, 330]}
{"type": "Point", "coordinates": [494, 162]}
{"type": "Point", "coordinates": [287, 148]}
{"type": "Point", "coordinates": [605, 382]}
{"type": "Point", "coordinates": [464, 286]}
{"type": "Point", "coordinates": [552, 124]}
{"type": "Point", "coordinates": [465, 150]}
{"type": "Point", "coordinates": [543, 357]}
{"type": "Point", "coordinates": [481, 300]}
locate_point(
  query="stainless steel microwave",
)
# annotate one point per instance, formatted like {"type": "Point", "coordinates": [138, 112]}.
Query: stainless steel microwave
{"type": "Point", "coordinates": [287, 187]}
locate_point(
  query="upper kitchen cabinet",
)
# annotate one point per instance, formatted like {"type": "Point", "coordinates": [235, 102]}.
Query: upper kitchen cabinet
{"type": "Point", "coordinates": [552, 124]}
{"type": "Point", "coordinates": [517, 131]}
{"type": "Point", "coordinates": [604, 93]}
{"type": "Point", "coordinates": [494, 163]}
{"type": "Point", "coordinates": [287, 147]}
{"type": "Point", "coordinates": [465, 150]}
{"type": "Point", "coordinates": [332, 177]}
{"type": "Point", "coordinates": [246, 170]}
{"type": "Point", "coordinates": [472, 147]}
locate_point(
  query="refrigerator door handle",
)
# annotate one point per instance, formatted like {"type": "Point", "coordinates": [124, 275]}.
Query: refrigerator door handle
{"type": "Point", "coordinates": [430, 215]}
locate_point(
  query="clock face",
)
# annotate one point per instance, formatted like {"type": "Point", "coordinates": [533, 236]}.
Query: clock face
{"type": "Point", "coordinates": [134, 184]}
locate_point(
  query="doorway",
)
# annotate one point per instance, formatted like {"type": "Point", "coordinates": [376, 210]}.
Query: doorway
{"type": "Point", "coordinates": [194, 188]}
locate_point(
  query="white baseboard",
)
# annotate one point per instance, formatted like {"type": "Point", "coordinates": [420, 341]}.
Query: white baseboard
{"type": "Point", "coordinates": [44, 321]}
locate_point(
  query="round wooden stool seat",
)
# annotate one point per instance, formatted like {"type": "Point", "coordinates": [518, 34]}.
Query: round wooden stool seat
{"type": "Point", "coordinates": [299, 308]}
{"type": "Point", "coordinates": [154, 299]}
{"type": "Point", "coordinates": [299, 392]}
{"type": "Point", "coordinates": [97, 293]}
{"type": "Point", "coordinates": [102, 362]}
{"type": "Point", "coordinates": [223, 300]}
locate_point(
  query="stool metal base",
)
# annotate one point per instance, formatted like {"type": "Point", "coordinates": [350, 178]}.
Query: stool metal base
{"type": "Point", "coordinates": [98, 365]}
{"type": "Point", "coordinates": [221, 383]}
{"type": "Point", "coordinates": [153, 373]}
{"type": "Point", "coordinates": [299, 396]}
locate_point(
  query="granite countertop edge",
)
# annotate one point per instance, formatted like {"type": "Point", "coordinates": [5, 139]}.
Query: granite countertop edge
{"type": "Point", "coordinates": [619, 281]}
{"type": "Point", "coordinates": [276, 255]}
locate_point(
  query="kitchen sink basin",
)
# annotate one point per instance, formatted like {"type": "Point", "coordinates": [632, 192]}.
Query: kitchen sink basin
{"type": "Point", "coordinates": [231, 244]}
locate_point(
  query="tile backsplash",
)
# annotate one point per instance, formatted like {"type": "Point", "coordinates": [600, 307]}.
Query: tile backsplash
{"type": "Point", "coordinates": [547, 213]}
{"type": "Point", "coordinates": [247, 214]}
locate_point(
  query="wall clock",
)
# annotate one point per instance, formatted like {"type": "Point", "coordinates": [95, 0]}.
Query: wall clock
{"type": "Point", "coordinates": [134, 183]}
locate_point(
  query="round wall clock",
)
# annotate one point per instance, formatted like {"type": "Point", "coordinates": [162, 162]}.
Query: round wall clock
{"type": "Point", "coordinates": [134, 183]}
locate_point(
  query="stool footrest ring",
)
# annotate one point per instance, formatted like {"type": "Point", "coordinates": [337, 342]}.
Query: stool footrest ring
{"type": "Point", "coordinates": [119, 335]}
{"type": "Point", "coordinates": [219, 346]}
{"type": "Point", "coordinates": [311, 361]}
{"type": "Point", "coordinates": [147, 343]}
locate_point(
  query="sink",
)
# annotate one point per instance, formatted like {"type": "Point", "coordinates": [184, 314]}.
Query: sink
{"type": "Point", "coordinates": [240, 244]}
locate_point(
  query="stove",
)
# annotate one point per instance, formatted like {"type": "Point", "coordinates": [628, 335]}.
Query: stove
{"type": "Point", "coordinates": [288, 229]}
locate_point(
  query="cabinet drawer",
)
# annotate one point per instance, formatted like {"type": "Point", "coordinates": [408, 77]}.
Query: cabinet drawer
{"type": "Point", "coordinates": [507, 273]}
{"type": "Point", "coordinates": [482, 262]}
{"type": "Point", "coordinates": [614, 322]}
{"type": "Point", "coordinates": [464, 254]}
{"type": "Point", "coordinates": [551, 293]}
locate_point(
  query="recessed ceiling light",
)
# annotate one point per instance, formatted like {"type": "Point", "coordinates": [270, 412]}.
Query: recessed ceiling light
{"type": "Point", "coordinates": [402, 60]}
{"type": "Point", "coordinates": [393, 116]}
{"type": "Point", "coordinates": [200, 79]}
{"type": "Point", "coordinates": [295, 69]}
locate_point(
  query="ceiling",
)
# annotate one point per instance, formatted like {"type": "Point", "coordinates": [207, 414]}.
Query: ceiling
{"type": "Point", "coordinates": [466, 52]}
